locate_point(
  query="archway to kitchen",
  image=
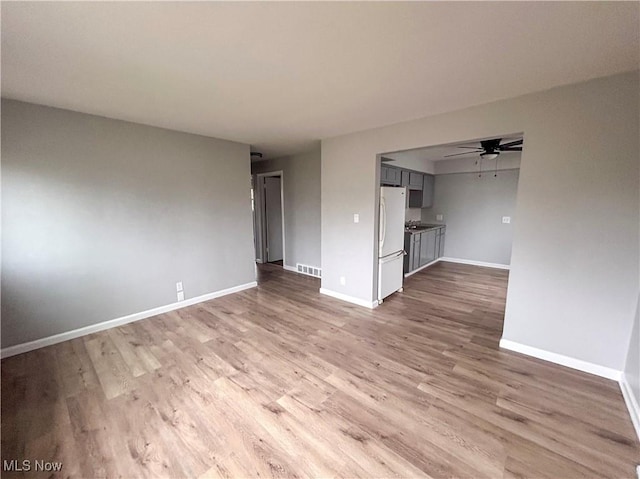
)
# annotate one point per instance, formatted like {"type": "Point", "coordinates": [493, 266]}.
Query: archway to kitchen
{"type": "Point", "coordinates": [460, 203]}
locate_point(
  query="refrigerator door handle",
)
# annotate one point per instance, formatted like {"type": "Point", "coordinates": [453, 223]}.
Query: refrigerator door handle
{"type": "Point", "coordinates": [383, 222]}
{"type": "Point", "coordinates": [392, 257]}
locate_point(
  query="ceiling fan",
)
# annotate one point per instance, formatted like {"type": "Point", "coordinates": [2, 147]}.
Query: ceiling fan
{"type": "Point", "coordinates": [490, 149]}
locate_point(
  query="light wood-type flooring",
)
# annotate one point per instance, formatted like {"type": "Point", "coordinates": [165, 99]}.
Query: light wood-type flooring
{"type": "Point", "coordinates": [281, 381]}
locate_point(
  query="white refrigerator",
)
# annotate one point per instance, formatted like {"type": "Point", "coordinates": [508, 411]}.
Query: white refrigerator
{"type": "Point", "coordinates": [391, 244]}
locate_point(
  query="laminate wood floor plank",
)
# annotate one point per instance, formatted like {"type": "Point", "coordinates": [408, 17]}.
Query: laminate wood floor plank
{"type": "Point", "coordinates": [281, 381]}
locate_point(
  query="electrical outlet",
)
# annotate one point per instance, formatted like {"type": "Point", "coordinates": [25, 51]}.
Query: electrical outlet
{"type": "Point", "coordinates": [506, 219]}
{"type": "Point", "coordinates": [356, 218]}
{"type": "Point", "coordinates": [343, 280]}
{"type": "Point", "coordinates": [180, 295]}
{"type": "Point", "coordinates": [439, 217]}
{"type": "Point", "coordinates": [179, 286]}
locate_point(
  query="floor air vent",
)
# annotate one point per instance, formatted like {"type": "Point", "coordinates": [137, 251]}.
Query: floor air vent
{"type": "Point", "coordinates": [309, 270]}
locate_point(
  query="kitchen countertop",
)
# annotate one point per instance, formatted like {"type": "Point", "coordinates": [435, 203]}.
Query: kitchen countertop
{"type": "Point", "coordinates": [423, 228]}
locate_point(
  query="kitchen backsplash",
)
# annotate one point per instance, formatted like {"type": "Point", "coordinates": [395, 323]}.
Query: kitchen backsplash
{"type": "Point", "coordinates": [412, 214]}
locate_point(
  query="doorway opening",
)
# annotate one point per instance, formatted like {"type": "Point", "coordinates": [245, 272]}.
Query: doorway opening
{"type": "Point", "coordinates": [460, 204]}
{"type": "Point", "coordinates": [269, 232]}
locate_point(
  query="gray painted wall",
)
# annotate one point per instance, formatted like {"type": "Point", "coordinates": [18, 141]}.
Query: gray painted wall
{"type": "Point", "coordinates": [574, 265]}
{"type": "Point", "coordinates": [506, 161]}
{"type": "Point", "coordinates": [632, 366]}
{"type": "Point", "coordinates": [473, 208]}
{"type": "Point", "coordinates": [102, 217]}
{"type": "Point", "coordinates": [301, 176]}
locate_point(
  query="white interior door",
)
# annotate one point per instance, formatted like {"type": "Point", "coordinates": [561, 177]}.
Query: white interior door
{"type": "Point", "coordinates": [273, 217]}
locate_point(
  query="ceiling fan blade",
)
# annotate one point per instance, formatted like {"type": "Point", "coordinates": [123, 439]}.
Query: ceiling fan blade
{"type": "Point", "coordinates": [465, 153]}
{"type": "Point", "coordinates": [513, 148]}
{"type": "Point", "coordinates": [511, 143]}
{"type": "Point", "coordinates": [473, 147]}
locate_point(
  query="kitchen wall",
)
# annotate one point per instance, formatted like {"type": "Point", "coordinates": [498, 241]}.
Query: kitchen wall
{"type": "Point", "coordinates": [301, 180]}
{"type": "Point", "coordinates": [506, 161]}
{"type": "Point", "coordinates": [473, 208]}
{"type": "Point", "coordinates": [574, 266]}
{"type": "Point", "coordinates": [101, 218]}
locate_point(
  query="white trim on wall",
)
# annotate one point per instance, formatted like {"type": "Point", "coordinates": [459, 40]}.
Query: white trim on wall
{"type": "Point", "coordinates": [475, 263]}
{"type": "Point", "coordinates": [422, 267]}
{"type": "Point", "coordinates": [459, 261]}
{"type": "Point", "coordinates": [567, 361]}
{"type": "Point", "coordinates": [112, 323]}
{"type": "Point", "coordinates": [349, 299]}
{"type": "Point", "coordinates": [632, 404]}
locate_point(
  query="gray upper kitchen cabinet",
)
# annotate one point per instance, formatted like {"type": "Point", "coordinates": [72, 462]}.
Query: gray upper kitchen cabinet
{"type": "Point", "coordinates": [415, 180]}
{"type": "Point", "coordinates": [404, 178]}
{"type": "Point", "coordinates": [411, 179]}
{"type": "Point", "coordinates": [427, 191]}
{"type": "Point", "coordinates": [390, 175]}
{"type": "Point", "coordinates": [384, 173]}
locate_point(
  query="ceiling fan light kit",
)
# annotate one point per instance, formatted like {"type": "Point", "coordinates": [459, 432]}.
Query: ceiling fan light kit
{"type": "Point", "coordinates": [490, 150]}
{"type": "Point", "coordinates": [488, 147]}
{"type": "Point", "coordinates": [489, 156]}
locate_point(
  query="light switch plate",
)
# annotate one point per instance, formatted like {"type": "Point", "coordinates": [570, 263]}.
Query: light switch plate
{"type": "Point", "coordinates": [506, 219]}
{"type": "Point", "coordinates": [343, 280]}
{"type": "Point", "coordinates": [356, 218]}
{"type": "Point", "coordinates": [179, 286]}
{"type": "Point", "coordinates": [181, 296]}
{"type": "Point", "coordinates": [439, 217]}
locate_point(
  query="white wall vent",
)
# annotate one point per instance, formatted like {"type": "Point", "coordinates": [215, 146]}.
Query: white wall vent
{"type": "Point", "coordinates": [309, 270]}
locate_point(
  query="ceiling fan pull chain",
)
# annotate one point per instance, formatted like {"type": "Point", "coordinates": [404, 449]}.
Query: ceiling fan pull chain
{"type": "Point", "coordinates": [495, 174]}
{"type": "Point", "coordinates": [480, 172]}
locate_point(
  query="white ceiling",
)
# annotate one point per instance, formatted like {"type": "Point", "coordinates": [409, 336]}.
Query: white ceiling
{"type": "Point", "coordinates": [283, 75]}
{"type": "Point", "coordinates": [439, 153]}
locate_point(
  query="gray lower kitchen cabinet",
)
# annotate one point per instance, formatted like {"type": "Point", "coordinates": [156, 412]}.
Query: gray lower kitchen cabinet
{"type": "Point", "coordinates": [427, 191]}
{"type": "Point", "coordinates": [408, 252]}
{"type": "Point", "coordinates": [423, 247]}
{"type": "Point", "coordinates": [415, 256]}
{"type": "Point", "coordinates": [441, 242]}
{"type": "Point", "coordinates": [427, 247]}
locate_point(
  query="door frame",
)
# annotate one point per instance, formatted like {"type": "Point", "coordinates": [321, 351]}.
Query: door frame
{"type": "Point", "coordinates": [261, 216]}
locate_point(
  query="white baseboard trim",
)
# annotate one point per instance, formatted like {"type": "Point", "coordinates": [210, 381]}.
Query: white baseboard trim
{"type": "Point", "coordinates": [349, 299]}
{"type": "Point", "coordinates": [567, 361]}
{"type": "Point", "coordinates": [632, 405]}
{"type": "Point", "coordinates": [290, 268]}
{"type": "Point", "coordinates": [422, 267]}
{"type": "Point", "coordinates": [112, 323]}
{"type": "Point", "coordinates": [475, 263]}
